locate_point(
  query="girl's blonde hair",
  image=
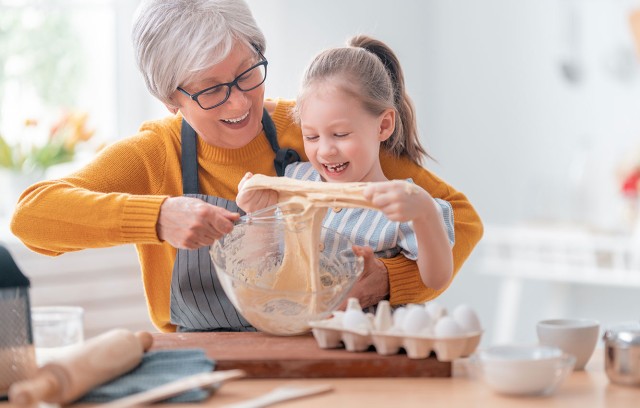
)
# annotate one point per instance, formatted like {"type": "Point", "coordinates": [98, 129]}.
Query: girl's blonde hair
{"type": "Point", "coordinates": [370, 71]}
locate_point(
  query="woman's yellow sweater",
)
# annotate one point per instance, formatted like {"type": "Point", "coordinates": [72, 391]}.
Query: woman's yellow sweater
{"type": "Point", "coordinates": [116, 200]}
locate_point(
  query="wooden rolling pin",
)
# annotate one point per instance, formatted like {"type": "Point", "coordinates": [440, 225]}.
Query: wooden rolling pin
{"type": "Point", "coordinates": [98, 360]}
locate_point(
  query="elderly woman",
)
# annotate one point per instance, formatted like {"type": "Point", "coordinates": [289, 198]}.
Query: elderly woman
{"type": "Point", "coordinates": [169, 189]}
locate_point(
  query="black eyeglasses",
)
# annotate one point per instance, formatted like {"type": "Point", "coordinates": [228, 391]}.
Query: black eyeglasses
{"type": "Point", "coordinates": [217, 95]}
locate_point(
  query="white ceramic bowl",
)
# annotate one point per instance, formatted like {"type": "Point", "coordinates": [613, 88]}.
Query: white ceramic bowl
{"type": "Point", "coordinates": [577, 337]}
{"type": "Point", "coordinates": [522, 370]}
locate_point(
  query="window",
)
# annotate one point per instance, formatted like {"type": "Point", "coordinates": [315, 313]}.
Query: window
{"type": "Point", "coordinates": [56, 56]}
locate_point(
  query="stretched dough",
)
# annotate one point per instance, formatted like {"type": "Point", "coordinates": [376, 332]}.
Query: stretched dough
{"type": "Point", "coordinates": [307, 202]}
{"type": "Point", "coordinates": [312, 193]}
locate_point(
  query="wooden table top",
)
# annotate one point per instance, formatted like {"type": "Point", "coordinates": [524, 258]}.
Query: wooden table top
{"type": "Point", "coordinates": [590, 388]}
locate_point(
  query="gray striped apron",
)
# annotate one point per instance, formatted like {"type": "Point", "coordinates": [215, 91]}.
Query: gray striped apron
{"type": "Point", "coordinates": [198, 302]}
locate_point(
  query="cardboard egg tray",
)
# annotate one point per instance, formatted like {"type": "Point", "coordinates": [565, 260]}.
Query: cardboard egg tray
{"type": "Point", "coordinates": [387, 343]}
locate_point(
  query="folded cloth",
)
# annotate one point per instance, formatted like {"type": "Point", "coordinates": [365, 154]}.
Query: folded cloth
{"type": "Point", "coordinates": [157, 368]}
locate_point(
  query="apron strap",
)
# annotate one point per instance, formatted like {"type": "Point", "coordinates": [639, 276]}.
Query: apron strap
{"type": "Point", "coordinates": [283, 157]}
{"type": "Point", "coordinates": [189, 161]}
{"type": "Point", "coordinates": [189, 143]}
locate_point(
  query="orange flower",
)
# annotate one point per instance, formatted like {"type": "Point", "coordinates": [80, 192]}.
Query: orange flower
{"type": "Point", "coordinates": [71, 129]}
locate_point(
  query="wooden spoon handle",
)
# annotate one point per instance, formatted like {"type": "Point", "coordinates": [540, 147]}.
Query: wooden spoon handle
{"type": "Point", "coordinates": [280, 394]}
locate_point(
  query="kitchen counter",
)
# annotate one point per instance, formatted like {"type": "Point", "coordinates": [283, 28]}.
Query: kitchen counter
{"type": "Point", "coordinates": [589, 388]}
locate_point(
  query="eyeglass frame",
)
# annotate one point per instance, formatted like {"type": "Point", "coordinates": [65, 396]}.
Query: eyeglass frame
{"type": "Point", "coordinates": [229, 85]}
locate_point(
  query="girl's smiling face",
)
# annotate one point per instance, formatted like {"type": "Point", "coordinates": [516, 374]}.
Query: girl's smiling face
{"type": "Point", "coordinates": [342, 139]}
{"type": "Point", "coordinates": [237, 121]}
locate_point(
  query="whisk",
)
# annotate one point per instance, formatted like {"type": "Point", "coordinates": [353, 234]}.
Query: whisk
{"type": "Point", "coordinates": [292, 211]}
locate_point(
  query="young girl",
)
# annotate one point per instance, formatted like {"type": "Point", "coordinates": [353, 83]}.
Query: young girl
{"type": "Point", "coordinates": [352, 102]}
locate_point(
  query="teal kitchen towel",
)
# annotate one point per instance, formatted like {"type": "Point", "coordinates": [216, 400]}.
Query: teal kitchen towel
{"type": "Point", "coordinates": [157, 368]}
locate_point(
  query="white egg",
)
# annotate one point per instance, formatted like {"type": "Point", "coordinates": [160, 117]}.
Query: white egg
{"type": "Point", "coordinates": [416, 320]}
{"type": "Point", "coordinates": [435, 310]}
{"type": "Point", "coordinates": [398, 317]}
{"type": "Point", "coordinates": [428, 331]}
{"type": "Point", "coordinates": [447, 327]}
{"type": "Point", "coordinates": [355, 320]}
{"type": "Point", "coordinates": [466, 318]}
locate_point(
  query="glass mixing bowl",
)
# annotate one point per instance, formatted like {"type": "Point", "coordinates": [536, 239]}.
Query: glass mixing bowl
{"type": "Point", "coordinates": [248, 261]}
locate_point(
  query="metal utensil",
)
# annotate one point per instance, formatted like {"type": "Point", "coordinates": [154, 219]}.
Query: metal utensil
{"type": "Point", "coordinates": [284, 393]}
{"type": "Point", "coordinates": [291, 210]}
{"type": "Point", "coordinates": [622, 354]}
{"type": "Point", "coordinates": [273, 212]}
{"type": "Point", "coordinates": [17, 355]}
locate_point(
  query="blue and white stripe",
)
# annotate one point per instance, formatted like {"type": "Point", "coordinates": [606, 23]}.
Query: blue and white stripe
{"type": "Point", "coordinates": [365, 227]}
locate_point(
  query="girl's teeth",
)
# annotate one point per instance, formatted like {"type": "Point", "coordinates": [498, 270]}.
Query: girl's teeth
{"type": "Point", "coordinates": [336, 167]}
{"type": "Point", "coordinates": [240, 119]}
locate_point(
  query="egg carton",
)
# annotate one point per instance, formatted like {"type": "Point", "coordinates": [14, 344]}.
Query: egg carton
{"type": "Point", "coordinates": [389, 343]}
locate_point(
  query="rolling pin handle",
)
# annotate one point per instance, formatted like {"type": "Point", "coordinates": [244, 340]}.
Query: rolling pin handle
{"type": "Point", "coordinates": [145, 339]}
{"type": "Point", "coordinates": [30, 392]}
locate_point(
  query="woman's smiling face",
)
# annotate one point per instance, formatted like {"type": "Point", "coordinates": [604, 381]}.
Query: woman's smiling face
{"type": "Point", "coordinates": [238, 120]}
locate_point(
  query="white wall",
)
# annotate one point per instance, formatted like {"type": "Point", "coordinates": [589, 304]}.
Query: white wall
{"type": "Point", "coordinates": [494, 108]}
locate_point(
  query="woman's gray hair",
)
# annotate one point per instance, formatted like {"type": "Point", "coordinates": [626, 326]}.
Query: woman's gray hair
{"type": "Point", "coordinates": [174, 40]}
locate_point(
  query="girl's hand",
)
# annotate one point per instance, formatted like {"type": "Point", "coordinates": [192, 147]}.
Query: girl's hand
{"type": "Point", "coordinates": [402, 201]}
{"type": "Point", "coordinates": [399, 200]}
{"type": "Point", "coordinates": [190, 223]}
{"type": "Point", "coordinates": [254, 200]}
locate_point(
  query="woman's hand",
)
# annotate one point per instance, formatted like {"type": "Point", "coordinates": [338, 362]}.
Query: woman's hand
{"type": "Point", "coordinates": [190, 223]}
{"type": "Point", "coordinates": [373, 285]}
{"type": "Point", "coordinates": [254, 200]}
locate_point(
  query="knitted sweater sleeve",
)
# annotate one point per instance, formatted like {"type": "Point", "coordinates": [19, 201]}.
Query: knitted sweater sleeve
{"type": "Point", "coordinates": [109, 202]}
{"type": "Point", "coordinates": [404, 278]}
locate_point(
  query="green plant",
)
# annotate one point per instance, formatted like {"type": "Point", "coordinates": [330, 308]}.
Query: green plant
{"type": "Point", "coordinates": [60, 146]}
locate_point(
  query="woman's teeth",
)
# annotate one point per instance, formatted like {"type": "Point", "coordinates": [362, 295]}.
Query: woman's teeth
{"type": "Point", "coordinates": [335, 168]}
{"type": "Point", "coordinates": [236, 120]}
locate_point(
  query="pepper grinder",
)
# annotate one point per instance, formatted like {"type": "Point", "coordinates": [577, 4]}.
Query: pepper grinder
{"type": "Point", "coordinates": [17, 355]}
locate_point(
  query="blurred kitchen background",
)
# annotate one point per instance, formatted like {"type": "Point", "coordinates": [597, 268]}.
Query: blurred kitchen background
{"type": "Point", "coordinates": [531, 108]}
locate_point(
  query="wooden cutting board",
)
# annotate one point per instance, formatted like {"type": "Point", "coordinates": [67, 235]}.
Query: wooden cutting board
{"type": "Point", "coordinates": [265, 356]}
